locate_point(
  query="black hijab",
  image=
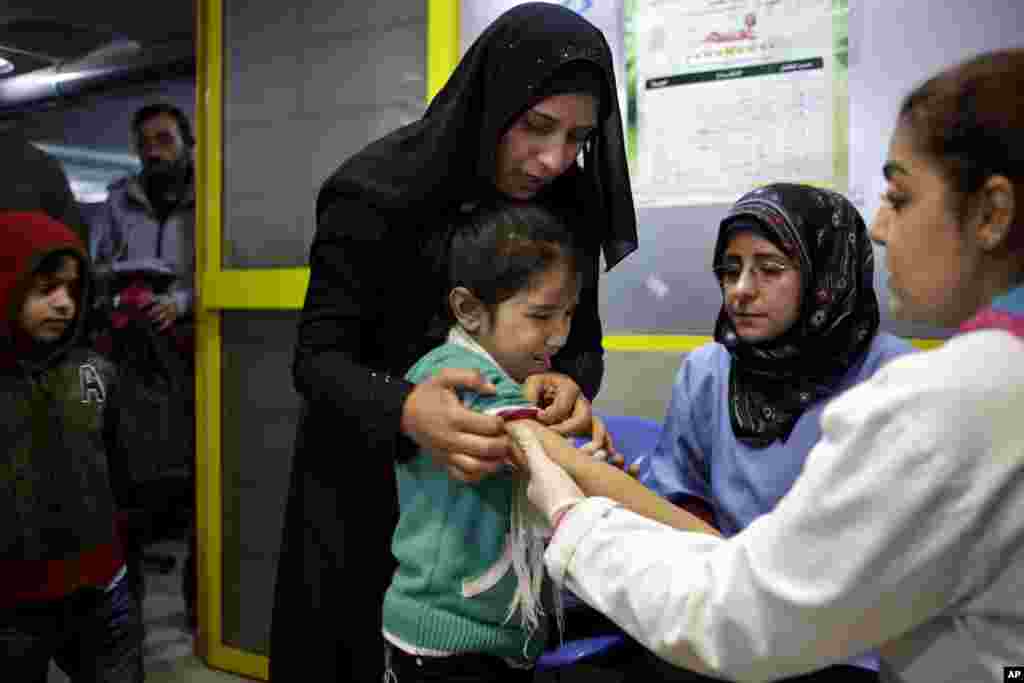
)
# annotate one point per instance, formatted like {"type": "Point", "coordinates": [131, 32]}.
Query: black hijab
{"type": "Point", "coordinates": [772, 383]}
{"type": "Point", "coordinates": [447, 158]}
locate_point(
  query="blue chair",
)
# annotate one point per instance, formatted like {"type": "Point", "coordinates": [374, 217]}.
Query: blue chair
{"type": "Point", "coordinates": [578, 650]}
{"type": "Point", "coordinates": [635, 438]}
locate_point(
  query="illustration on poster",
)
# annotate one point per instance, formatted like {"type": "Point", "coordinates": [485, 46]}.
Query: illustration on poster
{"type": "Point", "coordinates": [745, 34]}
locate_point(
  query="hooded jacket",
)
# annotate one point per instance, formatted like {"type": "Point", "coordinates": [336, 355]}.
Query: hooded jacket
{"type": "Point", "coordinates": [56, 417]}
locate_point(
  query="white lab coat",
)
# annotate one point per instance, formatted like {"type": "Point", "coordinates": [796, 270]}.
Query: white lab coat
{"type": "Point", "coordinates": [905, 530]}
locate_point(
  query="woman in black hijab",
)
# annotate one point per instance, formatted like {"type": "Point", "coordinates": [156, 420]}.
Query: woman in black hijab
{"type": "Point", "coordinates": [529, 113]}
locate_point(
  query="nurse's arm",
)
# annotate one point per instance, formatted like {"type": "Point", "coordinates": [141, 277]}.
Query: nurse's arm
{"type": "Point", "coordinates": [871, 541]}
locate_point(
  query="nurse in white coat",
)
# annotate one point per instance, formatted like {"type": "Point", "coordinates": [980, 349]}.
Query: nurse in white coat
{"type": "Point", "coordinates": [905, 530]}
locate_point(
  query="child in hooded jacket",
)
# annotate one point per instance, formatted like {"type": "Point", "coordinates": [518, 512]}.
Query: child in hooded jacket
{"type": "Point", "coordinates": [63, 597]}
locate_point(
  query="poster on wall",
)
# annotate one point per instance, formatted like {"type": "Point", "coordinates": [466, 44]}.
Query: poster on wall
{"type": "Point", "coordinates": [607, 15]}
{"type": "Point", "coordinates": [732, 94]}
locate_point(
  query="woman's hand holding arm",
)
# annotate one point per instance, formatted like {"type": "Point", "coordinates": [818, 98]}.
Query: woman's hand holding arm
{"type": "Point", "coordinates": [468, 444]}
{"type": "Point", "coordinates": [337, 336]}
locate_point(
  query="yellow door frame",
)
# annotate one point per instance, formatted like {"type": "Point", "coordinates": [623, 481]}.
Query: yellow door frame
{"type": "Point", "coordinates": [219, 290]}
{"type": "Point", "coordinates": [275, 289]}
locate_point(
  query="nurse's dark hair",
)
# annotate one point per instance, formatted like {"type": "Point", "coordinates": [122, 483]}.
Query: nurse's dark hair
{"type": "Point", "coordinates": [497, 249]}
{"type": "Point", "coordinates": [970, 120]}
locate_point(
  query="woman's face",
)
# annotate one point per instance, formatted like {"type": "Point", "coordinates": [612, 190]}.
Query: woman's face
{"type": "Point", "coordinates": [542, 143]}
{"type": "Point", "coordinates": [760, 286]}
{"type": "Point", "coordinates": [931, 266]}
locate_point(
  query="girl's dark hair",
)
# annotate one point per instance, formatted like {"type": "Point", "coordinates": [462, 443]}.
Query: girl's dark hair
{"type": "Point", "coordinates": [970, 120]}
{"type": "Point", "coordinates": [498, 248]}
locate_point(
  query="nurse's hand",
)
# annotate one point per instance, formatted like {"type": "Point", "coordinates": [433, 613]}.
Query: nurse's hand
{"type": "Point", "coordinates": [551, 489]}
{"type": "Point", "coordinates": [563, 406]}
{"type": "Point", "coordinates": [469, 445]}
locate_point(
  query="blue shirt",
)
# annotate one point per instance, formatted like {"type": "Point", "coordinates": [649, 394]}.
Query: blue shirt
{"type": "Point", "coordinates": [698, 454]}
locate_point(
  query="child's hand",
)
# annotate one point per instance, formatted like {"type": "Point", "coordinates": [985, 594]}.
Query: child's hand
{"type": "Point", "coordinates": [601, 447]}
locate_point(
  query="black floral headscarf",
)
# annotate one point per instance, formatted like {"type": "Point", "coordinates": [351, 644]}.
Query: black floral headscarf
{"type": "Point", "coordinates": [771, 383]}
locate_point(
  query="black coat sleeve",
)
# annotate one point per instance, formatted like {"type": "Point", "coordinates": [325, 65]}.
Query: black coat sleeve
{"type": "Point", "coordinates": [582, 358]}
{"type": "Point", "coordinates": [337, 330]}
{"type": "Point", "coordinates": [58, 200]}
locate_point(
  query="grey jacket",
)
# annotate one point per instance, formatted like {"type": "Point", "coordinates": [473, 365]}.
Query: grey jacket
{"type": "Point", "coordinates": [127, 229]}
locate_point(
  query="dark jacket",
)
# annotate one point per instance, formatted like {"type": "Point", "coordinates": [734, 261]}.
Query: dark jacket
{"type": "Point", "coordinates": [32, 180]}
{"type": "Point", "coordinates": [56, 416]}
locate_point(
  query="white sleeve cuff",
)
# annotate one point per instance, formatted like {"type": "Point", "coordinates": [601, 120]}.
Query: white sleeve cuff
{"type": "Point", "coordinates": [577, 523]}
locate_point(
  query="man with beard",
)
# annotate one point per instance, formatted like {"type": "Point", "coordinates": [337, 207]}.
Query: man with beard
{"type": "Point", "coordinates": [152, 215]}
{"type": "Point", "coordinates": [148, 225]}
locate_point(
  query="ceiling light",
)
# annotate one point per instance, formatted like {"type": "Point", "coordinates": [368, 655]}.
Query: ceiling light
{"type": "Point", "coordinates": [6, 67]}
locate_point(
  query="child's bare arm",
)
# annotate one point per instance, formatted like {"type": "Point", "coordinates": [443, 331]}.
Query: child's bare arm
{"type": "Point", "coordinates": [597, 478]}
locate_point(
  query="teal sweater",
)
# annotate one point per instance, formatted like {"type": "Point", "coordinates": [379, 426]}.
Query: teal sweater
{"type": "Point", "coordinates": [455, 582]}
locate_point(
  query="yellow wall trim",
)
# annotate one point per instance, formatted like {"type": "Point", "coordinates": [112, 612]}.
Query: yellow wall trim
{"type": "Point", "coordinates": [665, 343]}
{"type": "Point", "coordinates": [285, 289]}
{"type": "Point", "coordinates": [442, 43]}
{"type": "Point", "coordinates": [679, 343]}
{"type": "Point", "coordinates": [209, 100]}
{"type": "Point", "coordinates": [925, 344]}
{"type": "Point", "coordinates": [241, 662]}
{"type": "Point", "coordinates": [255, 289]}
